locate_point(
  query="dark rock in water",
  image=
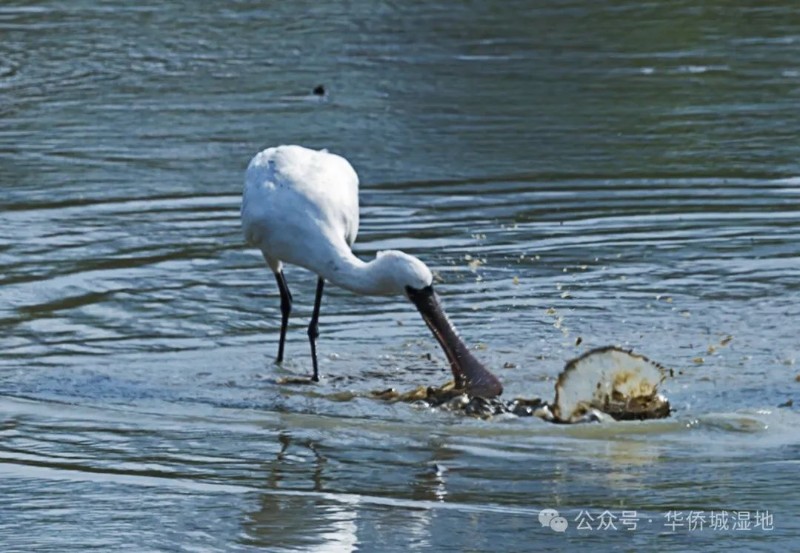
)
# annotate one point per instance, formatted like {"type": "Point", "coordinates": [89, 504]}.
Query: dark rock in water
{"type": "Point", "coordinates": [526, 407]}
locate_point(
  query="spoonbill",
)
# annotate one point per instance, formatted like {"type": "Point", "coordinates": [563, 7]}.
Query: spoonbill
{"type": "Point", "coordinates": [300, 206]}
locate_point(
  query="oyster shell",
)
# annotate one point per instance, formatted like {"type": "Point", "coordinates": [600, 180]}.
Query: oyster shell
{"type": "Point", "coordinates": [615, 381]}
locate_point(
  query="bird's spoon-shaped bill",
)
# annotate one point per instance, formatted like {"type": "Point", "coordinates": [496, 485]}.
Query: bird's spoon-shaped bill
{"type": "Point", "coordinates": [469, 373]}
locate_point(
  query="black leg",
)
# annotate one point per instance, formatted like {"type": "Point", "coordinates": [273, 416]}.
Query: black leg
{"type": "Point", "coordinates": [313, 328]}
{"type": "Point", "coordinates": [286, 309]}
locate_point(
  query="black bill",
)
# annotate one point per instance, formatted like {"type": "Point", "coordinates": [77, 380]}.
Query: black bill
{"type": "Point", "coordinates": [469, 373]}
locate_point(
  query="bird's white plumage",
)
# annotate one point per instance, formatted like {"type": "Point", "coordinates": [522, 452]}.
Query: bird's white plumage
{"type": "Point", "coordinates": [294, 196]}
{"type": "Point", "coordinates": [300, 206]}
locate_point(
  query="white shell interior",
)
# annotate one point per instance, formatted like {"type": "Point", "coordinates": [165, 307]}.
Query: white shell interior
{"type": "Point", "coordinates": [591, 381]}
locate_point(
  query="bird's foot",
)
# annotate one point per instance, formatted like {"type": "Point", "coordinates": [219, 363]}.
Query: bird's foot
{"type": "Point", "coordinates": [296, 380]}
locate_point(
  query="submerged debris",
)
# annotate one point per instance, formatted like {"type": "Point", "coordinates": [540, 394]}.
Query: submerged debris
{"type": "Point", "coordinates": [603, 383]}
{"type": "Point", "coordinates": [450, 398]}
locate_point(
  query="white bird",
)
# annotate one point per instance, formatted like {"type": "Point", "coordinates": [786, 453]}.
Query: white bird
{"type": "Point", "coordinates": [300, 206]}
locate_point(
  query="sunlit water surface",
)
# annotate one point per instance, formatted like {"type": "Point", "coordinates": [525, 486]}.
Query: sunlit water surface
{"type": "Point", "coordinates": [620, 173]}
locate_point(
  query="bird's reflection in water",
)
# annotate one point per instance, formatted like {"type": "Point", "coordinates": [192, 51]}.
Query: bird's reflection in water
{"type": "Point", "coordinates": [309, 505]}
{"type": "Point", "coordinates": [291, 515]}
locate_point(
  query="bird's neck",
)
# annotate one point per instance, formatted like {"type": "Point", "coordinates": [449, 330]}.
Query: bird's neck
{"type": "Point", "coordinates": [366, 278]}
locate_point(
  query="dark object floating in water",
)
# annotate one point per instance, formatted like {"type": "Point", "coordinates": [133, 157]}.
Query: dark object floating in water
{"type": "Point", "coordinates": [319, 90]}
{"type": "Point", "coordinates": [602, 383]}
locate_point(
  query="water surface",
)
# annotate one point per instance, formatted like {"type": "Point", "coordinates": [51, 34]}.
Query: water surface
{"type": "Point", "coordinates": [619, 173]}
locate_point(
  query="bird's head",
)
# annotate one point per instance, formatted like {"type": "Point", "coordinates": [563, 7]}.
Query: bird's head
{"type": "Point", "coordinates": [400, 271]}
{"type": "Point", "coordinates": [408, 275]}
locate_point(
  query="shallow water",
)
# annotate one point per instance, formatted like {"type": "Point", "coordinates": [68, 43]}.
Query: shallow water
{"type": "Point", "coordinates": [619, 173]}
